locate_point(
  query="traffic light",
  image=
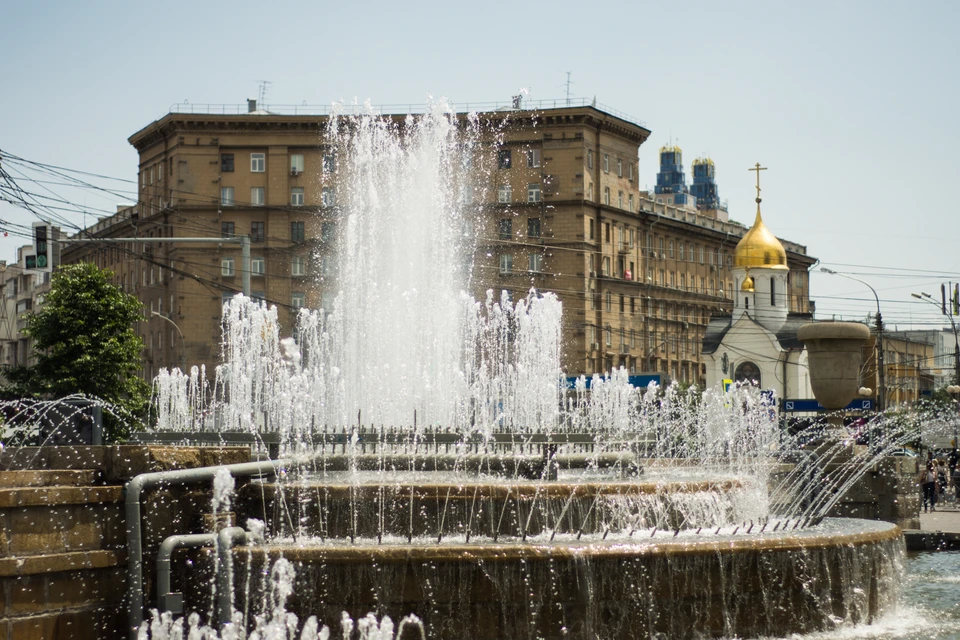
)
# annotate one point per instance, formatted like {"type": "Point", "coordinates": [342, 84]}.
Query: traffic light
{"type": "Point", "coordinates": [42, 258]}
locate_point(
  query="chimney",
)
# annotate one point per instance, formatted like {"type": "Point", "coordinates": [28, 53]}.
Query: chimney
{"type": "Point", "coordinates": [251, 105]}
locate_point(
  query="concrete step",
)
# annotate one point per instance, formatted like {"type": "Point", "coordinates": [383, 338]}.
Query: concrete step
{"type": "Point", "coordinates": [36, 521]}
{"type": "Point", "coordinates": [47, 478]}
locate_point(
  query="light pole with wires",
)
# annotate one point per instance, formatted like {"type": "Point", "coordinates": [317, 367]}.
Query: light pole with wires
{"type": "Point", "coordinates": [882, 382]}
{"type": "Point", "coordinates": [926, 297]}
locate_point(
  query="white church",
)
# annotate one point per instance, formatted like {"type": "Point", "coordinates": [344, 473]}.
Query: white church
{"type": "Point", "coordinates": [758, 341]}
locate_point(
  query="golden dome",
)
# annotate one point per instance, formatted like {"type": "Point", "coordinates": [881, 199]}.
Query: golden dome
{"type": "Point", "coordinates": [747, 285]}
{"type": "Point", "coordinates": [700, 161]}
{"type": "Point", "coordinates": [670, 148]}
{"type": "Point", "coordinates": [760, 248]}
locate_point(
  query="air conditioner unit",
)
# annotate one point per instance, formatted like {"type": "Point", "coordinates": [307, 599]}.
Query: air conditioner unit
{"type": "Point", "coordinates": [595, 346]}
{"type": "Point", "coordinates": [294, 172]}
{"type": "Point", "coordinates": [593, 274]}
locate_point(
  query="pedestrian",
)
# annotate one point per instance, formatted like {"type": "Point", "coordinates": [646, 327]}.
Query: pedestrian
{"type": "Point", "coordinates": [928, 485]}
{"type": "Point", "coordinates": [956, 485]}
{"type": "Point", "coordinates": [942, 477]}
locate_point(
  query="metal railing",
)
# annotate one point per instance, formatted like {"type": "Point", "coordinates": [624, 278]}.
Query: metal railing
{"type": "Point", "coordinates": [394, 109]}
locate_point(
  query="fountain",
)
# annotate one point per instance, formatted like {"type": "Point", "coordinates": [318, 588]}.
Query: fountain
{"type": "Point", "coordinates": [437, 465]}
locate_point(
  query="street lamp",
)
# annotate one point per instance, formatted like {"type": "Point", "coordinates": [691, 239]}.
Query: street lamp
{"type": "Point", "coordinates": [882, 390]}
{"type": "Point", "coordinates": [183, 343]}
{"type": "Point", "coordinates": [926, 297]}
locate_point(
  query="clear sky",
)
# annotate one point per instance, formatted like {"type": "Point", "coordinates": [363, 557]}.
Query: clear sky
{"type": "Point", "coordinates": [851, 105]}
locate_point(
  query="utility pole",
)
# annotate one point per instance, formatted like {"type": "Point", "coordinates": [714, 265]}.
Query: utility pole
{"type": "Point", "coordinates": [926, 297]}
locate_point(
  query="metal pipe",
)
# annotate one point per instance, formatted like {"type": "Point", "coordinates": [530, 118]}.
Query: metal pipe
{"type": "Point", "coordinates": [133, 491]}
{"type": "Point", "coordinates": [165, 554]}
{"type": "Point", "coordinates": [225, 541]}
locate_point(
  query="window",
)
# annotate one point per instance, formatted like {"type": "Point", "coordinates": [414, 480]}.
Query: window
{"type": "Point", "coordinates": [257, 231]}
{"type": "Point", "coordinates": [619, 168]}
{"type": "Point", "coordinates": [605, 266]}
{"type": "Point", "coordinates": [327, 197]}
{"type": "Point", "coordinates": [591, 226]}
{"type": "Point", "coordinates": [258, 162]}
{"type": "Point", "coordinates": [608, 335]}
{"type": "Point", "coordinates": [329, 163]}
{"type": "Point", "coordinates": [504, 159]}
{"type": "Point", "coordinates": [691, 253]}
{"type": "Point", "coordinates": [298, 266]}
{"type": "Point", "coordinates": [630, 203]}
{"type": "Point", "coordinates": [226, 162]}
{"type": "Point", "coordinates": [506, 229]}
{"type": "Point", "coordinates": [620, 199]}
{"type": "Point", "coordinates": [773, 292]}
{"type": "Point", "coordinates": [226, 196]}
{"type": "Point", "coordinates": [533, 227]}
{"type": "Point", "coordinates": [680, 253]}
{"type": "Point", "coordinates": [296, 163]}
{"type": "Point", "coordinates": [326, 232]}
{"type": "Point", "coordinates": [606, 163]}
{"type": "Point", "coordinates": [701, 255]}
{"type": "Point", "coordinates": [504, 194]}
{"type": "Point", "coordinates": [630, 171]}
{"type": "Point", "coordinates": [606, 231]}
{"type": "Point", "coordinates": [606, 195]}
{"type": "Point", "coordinates": [506, 263]}
{"type": "Point", "coordinates": [622, 303]}
{"type": "Point", "coordinates": [671, 248]}
{"type": "Point", "coordinates": [227, 229]}
{"type": "Point", "coordinates": [258, 266]}
{"type": "Point", "coordinates": [533, 158]}
{"type": "Point", "coordinates": [608, 301]}
{"type": "Point", "coordinates": [296, 231]}
{"type": "Point", "coordinates": [535, 262]}
{"type": "Point", "coordinates": [227, 267]}
{"type": "Point", "coordinates": [589, 158]}
{"type": "Point", "coordinates": [256, 196]}
{"type": "Point", "coordinates": [533, 192]}
{"type": "Point", "coordinates": [160, 172]}
{"type": "Point", "coordinates": [590, 192]}
{"type": "Point", "coordinates": [297, 299]}
{"type": "Point", "coordinates": [296, 196]}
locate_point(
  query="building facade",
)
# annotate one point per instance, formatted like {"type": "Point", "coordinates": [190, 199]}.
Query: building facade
{"type": "Point", "coordinates": [21, 291]}
{"type": "Point", "coordinates": [640, 274]}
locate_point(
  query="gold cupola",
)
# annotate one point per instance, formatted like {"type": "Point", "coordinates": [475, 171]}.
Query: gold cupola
{"type": "Point", "coordinates": [759, 247]}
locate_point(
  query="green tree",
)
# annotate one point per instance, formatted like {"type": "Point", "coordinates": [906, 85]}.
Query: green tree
{"type": "Point", "coordinates": [85, 343]}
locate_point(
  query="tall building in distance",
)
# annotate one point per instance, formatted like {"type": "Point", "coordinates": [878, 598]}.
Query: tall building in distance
{"type": "Point", "coordinates": [704, 187]}
{"type": "Point", "coordinates": [671, 180]}
{"type": "Point", "coordinates": [640, 274]}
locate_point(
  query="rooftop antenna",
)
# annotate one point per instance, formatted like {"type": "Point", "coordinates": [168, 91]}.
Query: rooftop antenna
{"type": "Point", "coordinates": [568, 87]}
{"type": "Point", "coordinates": [262, 95]}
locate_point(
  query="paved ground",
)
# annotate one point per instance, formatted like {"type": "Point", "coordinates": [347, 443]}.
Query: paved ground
{"type": "Point", "coordinates": [946, 518]}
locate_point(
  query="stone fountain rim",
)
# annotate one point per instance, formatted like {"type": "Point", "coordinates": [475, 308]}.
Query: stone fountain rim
{"type": "Point", "coordinates": [807, 539]}
{"type": "Point", "coordinates": [546, 489]}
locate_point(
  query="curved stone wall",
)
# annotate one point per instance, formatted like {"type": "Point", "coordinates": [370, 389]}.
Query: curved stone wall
{"type": "Point", "coordinates": [686, 586]}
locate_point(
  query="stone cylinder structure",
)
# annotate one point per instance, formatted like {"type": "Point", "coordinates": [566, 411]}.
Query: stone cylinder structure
{"type": "Point", "coordinates": [833, 355]}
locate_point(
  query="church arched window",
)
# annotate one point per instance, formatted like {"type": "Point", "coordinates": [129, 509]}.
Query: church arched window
{"type": "Point", "coordinates": [747, 372]}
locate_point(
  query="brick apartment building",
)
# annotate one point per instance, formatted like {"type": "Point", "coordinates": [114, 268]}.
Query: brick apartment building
{"type": "Point", "coordinates": [639, 273]}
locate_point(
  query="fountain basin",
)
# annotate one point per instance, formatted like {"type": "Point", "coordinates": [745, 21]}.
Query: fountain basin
{"type": "Point", "coordinates": [685, 587]}
{"type": "Point", "coordinates": [492, 508]}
